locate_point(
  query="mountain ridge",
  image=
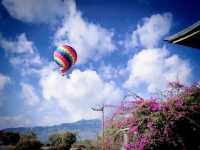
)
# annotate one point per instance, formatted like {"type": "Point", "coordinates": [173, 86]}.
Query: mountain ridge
{"type": "Point", "coordinates": [86, 129]}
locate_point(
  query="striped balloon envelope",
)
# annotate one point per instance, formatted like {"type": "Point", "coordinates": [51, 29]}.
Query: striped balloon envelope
{"type": "Point", "coordinates": [65, 56]}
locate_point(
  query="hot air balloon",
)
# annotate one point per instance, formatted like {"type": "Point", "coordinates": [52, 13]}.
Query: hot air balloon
{"type": "Point", "coordinates": [65, 56]}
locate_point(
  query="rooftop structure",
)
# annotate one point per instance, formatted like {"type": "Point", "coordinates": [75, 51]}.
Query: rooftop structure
{"type": "Point", "coordinates": [189, 36]}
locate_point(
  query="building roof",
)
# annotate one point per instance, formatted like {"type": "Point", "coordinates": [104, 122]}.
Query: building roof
{"type": "Point", "coordinates": [189, 36]}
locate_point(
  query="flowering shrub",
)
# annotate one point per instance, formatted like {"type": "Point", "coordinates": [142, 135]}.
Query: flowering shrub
{"type": "Point", "coordinates": [170, 123]}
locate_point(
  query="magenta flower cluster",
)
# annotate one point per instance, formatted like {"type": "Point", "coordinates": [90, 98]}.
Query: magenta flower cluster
{"type": "Point", "coordinates": [138, 145]}
{"type": "Point", "coordinates": [154, 106]}
{"type": "Point", "coordinates": [152, 122]}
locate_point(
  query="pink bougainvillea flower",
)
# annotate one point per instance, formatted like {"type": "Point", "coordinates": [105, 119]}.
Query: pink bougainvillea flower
{"type": "Point", "coordinates": [141, 142]}
{"type": "Point", "coordinates": [179, 103]}
{"type": "Point", "coordinates": [129, 146]}
{"type": "Point", "coordinates": [154, 106]}
{"type": "Point", "coordinates": [133, 129]}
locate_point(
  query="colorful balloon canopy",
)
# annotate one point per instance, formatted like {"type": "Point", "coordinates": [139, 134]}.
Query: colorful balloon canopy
{"type": "Point", "coordinates": [65, 56]}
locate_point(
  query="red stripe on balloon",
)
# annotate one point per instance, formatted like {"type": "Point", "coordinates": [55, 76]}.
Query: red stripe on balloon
{"type": "Point", "coordinates": [65, 62]}
{"type": "Point", "coordinates": [72, 52]}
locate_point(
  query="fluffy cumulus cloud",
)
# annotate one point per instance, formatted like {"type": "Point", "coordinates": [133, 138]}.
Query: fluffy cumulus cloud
{"type": "Point", "coordinates": [77, 93]}
{"type": "Point", "coordinates": [90, 40]}
{"type": "Point", "coordinates": [155, 68]}
{"type": "Point", "coordinates": [28, 94]}
{"type": "Point", "coordinates": [42, 11]}
{"type": "Point", "coordinates": [3, 81]}
{"type": "Point", "coordinates": [22, 52]}
{"type": "Point", "coordinates": [150, 32]}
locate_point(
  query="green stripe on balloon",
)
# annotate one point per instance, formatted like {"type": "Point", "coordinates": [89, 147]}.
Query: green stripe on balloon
{"type": "Point", "coordinates": [66, 54]}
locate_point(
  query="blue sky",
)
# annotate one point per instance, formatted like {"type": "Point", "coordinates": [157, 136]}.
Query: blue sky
{"type": "Point", "coordinates": [120, 48]}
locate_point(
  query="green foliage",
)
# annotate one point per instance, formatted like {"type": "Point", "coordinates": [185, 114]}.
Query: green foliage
{"type": "Point", "coordinates": [68, 139]}
{"type": "Point", "coordinates": [28, 136]}
{"type": "Point", "coordinates": [65, 139]}
{"type": "Point", "coordinates": [55, 140]}
{"type": "Point", "coordinates": [9, 138]}
{"type": "Point", "coordinates": [28, 145]}
{"type": "Point", "coordinates": [192, 96]}
{"type": "Point", "coordinates": [28, 141]}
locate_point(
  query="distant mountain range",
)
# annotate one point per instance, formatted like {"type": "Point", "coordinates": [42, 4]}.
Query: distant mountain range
{"type": "Point", "coordinates": [86, 129]}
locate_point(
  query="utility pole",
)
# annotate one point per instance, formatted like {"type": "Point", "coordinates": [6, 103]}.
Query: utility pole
{"type": "Point", "coordinates": [102, 110]}
{"type": "Point", "coordinates": [103, 128]}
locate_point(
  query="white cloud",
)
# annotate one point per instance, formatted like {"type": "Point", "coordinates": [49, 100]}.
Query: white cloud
{"type": "Point", "coordinates": [34, 11]}
{"type": "Point", "coordinates": [24, 120]}
{"type": "Point", "coordinates": [3, 81]}
{"type": "Point", "coordinates": [109, 72]}
{"type": "Point", "coordinates": [22, 52]}
{"type": "Point", "coordinates": [90, 40]}
{"type": "Point", "coordinates": [28, 94]}
{"type": "Point", "coordinates": [79, 92]}
{"type": "Point", "coordinates": [46, 113]}
{"type": "Point", "coordinates": [152, 67]}
{"type": "Point", "coordinates": [155, 68]}
{"type": "Point", "coordinates": [20, 46]}
{"type": "Point", "coordinates": [14, 121]}
{"type": "Point", "coordinates": [150, 32]}
{"type": "Point", "coordinates": [26, 60]}
{"type": "Point", "coordinates": [46, 117]}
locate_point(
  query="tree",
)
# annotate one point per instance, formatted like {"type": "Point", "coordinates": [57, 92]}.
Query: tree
{"type": "Point", "coordinates": [68, 139]}
{"type": "Point", "coordinates": [55, 139]}
{"type": "Point", "coordinates": [9, 138]}
{"type": "Point", "coordinates": [65, 139]}
{"type": "Point", "coordinates": [28, 145]}
{"type": "Point", "coordinates": [28, 136]}
{"type": "Point", "coordinates": [28, 141]}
